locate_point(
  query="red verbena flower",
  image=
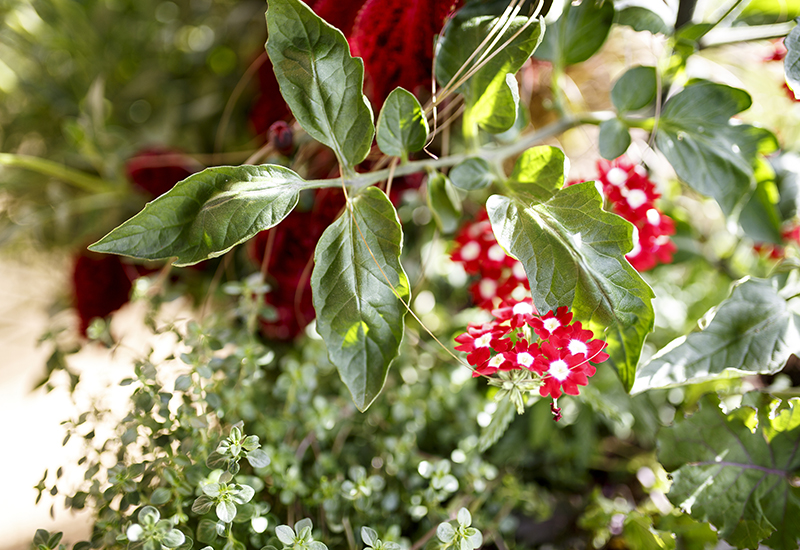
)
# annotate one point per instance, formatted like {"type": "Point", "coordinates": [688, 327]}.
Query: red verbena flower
{"type": "Point", "coordinates": [552, 324]}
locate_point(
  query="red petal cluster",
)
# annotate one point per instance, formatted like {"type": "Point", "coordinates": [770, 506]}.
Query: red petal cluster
{"type": "Point", "coordinates": [790, 234]}
{"type": "Point", "coordinates": [155, 170]}
{"type": "Point", "coordinates": [561, 356]}
{"type": "Point", "coordinates": [499, 274]}
{"type": "Point", "coordinates": [290, 261]}
{"type": "Point", "coordinates": [101, 284]}
{"type": "Point", "coordinates": [632, 195]}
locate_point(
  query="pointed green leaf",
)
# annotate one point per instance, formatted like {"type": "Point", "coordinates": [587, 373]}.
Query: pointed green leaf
{"type": "Point", "coordinates": [706, 150]}
{"type": "Point", "coordinates": [791, 63]}
{"type": "Point", "coordinates": [614, 138]}
{"type": "Point", "coordinates": [491, 96]}
{"type": "Point", "coordinates": [207, 214]}
{"type": "Point", "coordinates": [402, 126]}
{"type": "Point", "coordinates": [739, 481]}
{"type": "Point", "coordinates": [369, 536]}
{"type": "Point", "coordinates": [578, 33]}
{"type": "Point", "coordinates": [752, 332]}
{"type": "Point", "coordinates": [319, 79]}
{"type": "Point", "coordinates": [444, 202]}
{"type": "Point", "coordinates": [574, 254]}
{"type": "Point", "coordinates": [501, 420]}
{"type": "Point", "coordinates": [471, 174]}
{"type": "Point", "coordinates": [358, 314]}
{"type": "Point", "coordinates": [634, 90]}
{"type": "Point", "coordinates": [645, 15]}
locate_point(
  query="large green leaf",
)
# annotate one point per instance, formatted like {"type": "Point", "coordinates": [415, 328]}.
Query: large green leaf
{"type": "Point", "coordinates": [578, 33]}
{"type": "Point", "coordinates": [752, 332]}
{"type": "Point", "coordinates": [614, 138]}
{"type": "Point", "coordinates": [491, 94]}
{"type": "Point", "coordinates": [707, 151]}
{"type": "Point", "coordinates": [319, 79]}
{"type": "Point", "coordinates": [574, 254]}
{"type": "Point", "coordinates": [635, 89]}
{"type": "Point", "coordinates": [791, 63]}
{"type": "Point", "coordinates": [402, 126]}
{"type": "Point", "coordinates": [207, 214]}
{"type": "Point", "coordinates": [740, 481]}
{"type": "Point", "coordinates": [358, 314]}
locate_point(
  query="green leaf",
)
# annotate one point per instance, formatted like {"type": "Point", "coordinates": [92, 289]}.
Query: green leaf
{"type": "Point", "coordinates": [791, 63]}
{"type": "Point", "coordinates": [285, 534]}
{"type": "Point", "coordinates": [501, 419]}
{"type": "Point", "coordinates": [402, 126]}
{"type": "Point", "coordinates": [737, 480]}
{"type": "Point", "coordinates": [258, 458]}
{"type": "Point", "coordinates": [706, 150]}
{"type": "Point", "coordinates": [578, 34]}
{"type": "Point", "coordinates": [226, 511]}
{"type": "Point", "coordinates": [173, 538]}
{"type": "Point", "coordinates": [369, 536]}
{"type": "Point", "coordinates": [444, 202]}
{"type": "Point", "coordinates": [765, 12]}
{"type": "Point", "coordinates": [752, 332]}
{"type": "Point", "coordinates": [160, 496]}
{"type": "Point", "coordinates": [634, 90]}
{"type": "Point", "coordinates": [574, 254]}
{"type": "Point", "coordinates": [760, 218]}
{"type": "Point", "coordinates": [614, 138]}
{"type": "Point", "coordinates": [207, 531]}
{"type": "Point", "coordinates": [358, 314]}
{"type": "Point", "coordinates": [645, 15]}
{"type": "Point", "coordinates": [471, 174]}
{"type": "Point", "coordinates": [445, 532]}
{"type": "Point", "coordinates": [491, 94]}
{"type": "Point", "coordinates": [207, 214]}
{"type": "Point", "coordinates": [320, 81]}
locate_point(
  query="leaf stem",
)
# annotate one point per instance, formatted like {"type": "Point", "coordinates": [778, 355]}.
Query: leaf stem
{"type": "Point", "coordinates": [81, 180]}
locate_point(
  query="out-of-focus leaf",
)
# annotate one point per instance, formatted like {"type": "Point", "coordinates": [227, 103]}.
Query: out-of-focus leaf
{"type": "Point", "coordinates": [578, 34]}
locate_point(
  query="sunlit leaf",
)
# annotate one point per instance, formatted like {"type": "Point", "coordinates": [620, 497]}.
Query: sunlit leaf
{"type": "Point", "coordinates": [402, 126]}
{"type": "Point", "coordinates": [578, 34]}
{"type": "Point", "coordinates": [358, 314]}
{"type": "Point", "coordinates": [614, 139]}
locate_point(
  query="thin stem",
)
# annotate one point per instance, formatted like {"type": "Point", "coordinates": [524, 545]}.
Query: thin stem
{"type": "Point", "coordinates": [732, 35]}
{"type": "Point", "coordinates": [77, 178]}
{"type": "Point", "coordinates": [237, 91]}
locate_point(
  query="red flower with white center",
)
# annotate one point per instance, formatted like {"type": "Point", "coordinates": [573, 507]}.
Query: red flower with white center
{"type": "Point", "coordinates": [523, 355]}
{"type": "Point", "coordinates": [560, 371]}
{"type": "Point", "coordinates": [578, 341]}
{"type": "Point", "coordinates": [496, 363]}
{"type": "Point", "coordinates": [518, 314]}
{"type": "Point", "coordinates": [552, 323]}
{"type": "Point", "coordinates": [480, 340]}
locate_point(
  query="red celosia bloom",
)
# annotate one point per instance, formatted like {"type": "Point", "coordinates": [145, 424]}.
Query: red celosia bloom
{"type": "Point", "coordinates": [552, 323]}
{"type": "Point", "coordinates": [396, 39]}
{"type": "Point", "coordinates": [101, 284]}
{"type": "Point", "coordinates": [156, 170]}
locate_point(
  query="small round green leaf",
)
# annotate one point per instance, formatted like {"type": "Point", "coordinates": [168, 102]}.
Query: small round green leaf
{"type": "Point", "coordinates": [445, 532]}
{"type": "Point", "coordinates": [160, 496]}
{"type": "Point", "coordinates": [444, 202]}
{"type": "Point", "coordinates": [471, 174]}
{"type": "Point", "coordinates": [634, 90]}
{"type": "Point", "coordinates": [614, 138]}
{"type": "Point", "coordinates": [402, 126]}
{"type": "Point", "coordinates": [258, 459]}
{"type": "Point", "coordinates": [369, 536]}
{"type": "Point", "coordinates": [173, 538]}
{"type": "Point", "coordinates": [285, 534]}
{"type": "Point", "coordinates": [464, 518]}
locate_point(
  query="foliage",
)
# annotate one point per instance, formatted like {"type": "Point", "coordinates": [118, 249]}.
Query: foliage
{"type": "Point", "coordinates": [366, 422]}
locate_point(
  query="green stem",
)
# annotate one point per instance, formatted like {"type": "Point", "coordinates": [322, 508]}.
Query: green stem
{"type": "Point", "coordinates": [732, 35]}
{"type": "Point", "coordinates": [79, 179]}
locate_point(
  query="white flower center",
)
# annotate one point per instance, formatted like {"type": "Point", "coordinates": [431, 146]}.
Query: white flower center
{"type": "Point", "coordinates": [496, 361]}
{"type": "Point", "coordinates": [577, 346]}
{"type": "Point", "coordinates": [483, 341]}
{"type": "Point", "coordinates": [470, 251]}
{"type": "Point", "coordinates": [496, 253]}
{"type": "Point", "coordinates": [551, 324]}
{"type": "Point", "coordinates": [519, 271]}
{"type": "Point", "coordinates": [653, 217]}
{"type": "Point", "coordinates": [617, 176]}
{"type": "Point", "coordinates": [525, 359]}
{"type": "Point", "coordinates": [559, 370]}
{"type": "Point", "coordinates": [636, 246]}
{"type": "Point", "coordinates": [522, 308]}
{"type": "Point", "coordinates": [487, 288]}
{"type": "Point", "coordinates": [636, 198]}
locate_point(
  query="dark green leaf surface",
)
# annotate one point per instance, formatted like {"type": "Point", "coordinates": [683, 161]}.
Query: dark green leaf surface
{"type": "Point", "coordinates": [614, 138]}
{"type": "Point", "coordinates": [444, 202]}
{"type": "Point", "coordinates": [738, 480]}
{"type": "Point", "coordinates": [471, 174]}
{"type": "Point", "coordinates": [791, 63]}
{"type": "Point", "coordinates": [491, 94]}
{"type": "Point", "coordinates": [358, 315]}
{"type": "Point", "coordinates": [501, 419]}
{"type": "Point", "coordinates": [645, 15]}
{"type": "Point", "coordinates": [573, 252]}
{"type": "Point", "coordinates": [634, 90]}
{"type": "Point", "coordinates": [320, 81]}
{"type": "Point", "coordinates": [207, 214]}
{"type": "Point", "coordinates": [402, 126]}
{"type": "Point", "coordinates": [578, 33]}
{"type": "Point", "coordinates": [760, 218]}
{"type": "Point", "coordinates": [752, 332]}
{"type": "Point", "coordinates": [709, 153]}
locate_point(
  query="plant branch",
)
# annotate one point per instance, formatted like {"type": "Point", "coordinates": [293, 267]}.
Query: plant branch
{"type": "Point", "coordinates": [81, 180]}
{"type": "Point", "coordinates": [732, 35]}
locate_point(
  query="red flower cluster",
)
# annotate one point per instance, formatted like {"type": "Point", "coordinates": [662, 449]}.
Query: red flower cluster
{"type": "Point", "coordinates": [101, 284]}
{"type": "Point", "coordinates": [632, 195]}
{"type": "Point", "coordinates": [289, 263]}
{"type": "Point", "coordinates": [501, 277]}
{"type": "Point", "coordinates": [555, 349]}
{"type": "Point", "coordinates": [156, 170]}
{"type": "Point", "coordinates": [775, 251]}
